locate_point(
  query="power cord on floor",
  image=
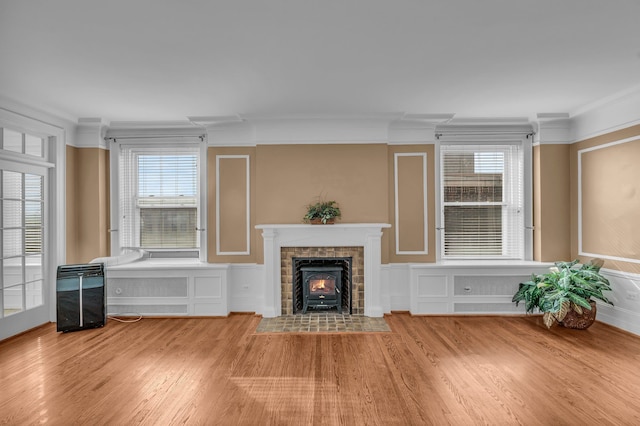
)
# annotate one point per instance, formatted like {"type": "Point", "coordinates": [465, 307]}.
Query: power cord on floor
{"type": "Point", "coordinates": [126, 314]}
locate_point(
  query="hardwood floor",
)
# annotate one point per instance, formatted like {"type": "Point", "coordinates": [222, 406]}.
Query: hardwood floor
{"type": "Point", "coordinates": [427, 370]}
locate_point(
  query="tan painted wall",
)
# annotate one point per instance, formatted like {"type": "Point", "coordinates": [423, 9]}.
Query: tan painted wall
{"type": "Point", "coordinates": [611, 198]}
{"type": "Point", "coordinates": [286, 178]}
{"type": "Point", "coordinates": [411, 203]}
{"type": "Point", "coordinates": [87, 204]}
{"type": "Point", "coordinates": [281, 187]}
{"type": "Point", "coordinates": [551, 213]}
{"type": "Point", "coordinates": [292, 176]}
{"type": "Point", "coordinates": [289, 177]}
{"type": "Point", "coordinates": [72, 212]}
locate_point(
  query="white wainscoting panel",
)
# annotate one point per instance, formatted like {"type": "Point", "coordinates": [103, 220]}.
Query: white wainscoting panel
{"type": "Point", "coordinates": [167, 287]}
{"type": "Point", "coordinates": [468, 288]}
{"type": "Point", "coordinates": [625, 312]}
{"type": "Point", "coordinates": [246, 287]}
{"type": "Point", "coordinates": [395, 281]}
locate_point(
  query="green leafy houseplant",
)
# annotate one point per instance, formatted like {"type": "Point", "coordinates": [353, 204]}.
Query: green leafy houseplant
{"type": "Point", "coordinates": [567, 287]}
{"type": "Point", "coordinates": [323, 211]}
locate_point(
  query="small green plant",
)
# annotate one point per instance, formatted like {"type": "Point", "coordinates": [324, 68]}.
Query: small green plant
{"type": "Point", "coordinates": [324, 211]}
{"type": "Point", "coordinates": [567, 286]}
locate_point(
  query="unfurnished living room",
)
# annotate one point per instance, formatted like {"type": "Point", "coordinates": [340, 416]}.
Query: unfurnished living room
{"type": "Point", "coordinates": [367, 212]}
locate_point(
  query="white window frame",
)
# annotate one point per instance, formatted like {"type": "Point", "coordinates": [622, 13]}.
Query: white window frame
{"type": "Point", "coordinates": [151, 142]}
{"type": "Point", "coordinates": [524, 140]}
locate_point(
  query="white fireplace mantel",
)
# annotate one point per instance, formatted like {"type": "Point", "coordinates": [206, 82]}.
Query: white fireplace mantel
{"type": "Point", "coordinates": [367, 235]}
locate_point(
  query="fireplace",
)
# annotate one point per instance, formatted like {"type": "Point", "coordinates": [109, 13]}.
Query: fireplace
{"type": "Point", "coordinates": [321, 283]}
{"type": "Point", "coordinates": [360, 240]}
{"type": "Point", "coordinates": [321, 288]}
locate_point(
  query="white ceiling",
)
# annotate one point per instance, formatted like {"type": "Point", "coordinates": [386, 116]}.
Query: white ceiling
{"type": "Point", "coordinates": [156, 60]}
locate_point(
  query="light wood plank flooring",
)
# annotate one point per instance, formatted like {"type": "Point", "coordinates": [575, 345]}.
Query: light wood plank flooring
{"type": "Point", "coordinates": [427, 370]}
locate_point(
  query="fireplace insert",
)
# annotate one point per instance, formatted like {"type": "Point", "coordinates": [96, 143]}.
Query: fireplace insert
{"type": "Point", "coordinates": [321, 287]}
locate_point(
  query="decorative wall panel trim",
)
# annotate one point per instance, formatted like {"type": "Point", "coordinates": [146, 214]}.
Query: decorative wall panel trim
{"type": "Point", "coordinates": [247, 213]}
{"type": "Point", "coordinates": [397, 201]}
{"type": "Point", "coordinates": [625, 238]}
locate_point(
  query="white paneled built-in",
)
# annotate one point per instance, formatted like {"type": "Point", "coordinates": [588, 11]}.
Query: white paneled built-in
{"type": "Point", "coordinates": [180, 288]}
{"type": "Point", "coordinates": [468, 288]}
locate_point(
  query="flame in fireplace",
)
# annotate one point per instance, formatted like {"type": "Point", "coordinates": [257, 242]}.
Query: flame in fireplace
{"type": "Point", "coordinates": [322, 286]}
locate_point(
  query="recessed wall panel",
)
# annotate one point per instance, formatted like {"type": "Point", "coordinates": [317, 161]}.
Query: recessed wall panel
{"type": "Point", "coordinates": [410, 203]}
{"type": "Point", "coordinates": [232, 206]}
{"type": "Point", "coordinates": [432, 286]}
{"type": "Point", "coordinates": [609, 201]}
{"type": "Point", "coordinates": [208, 287]}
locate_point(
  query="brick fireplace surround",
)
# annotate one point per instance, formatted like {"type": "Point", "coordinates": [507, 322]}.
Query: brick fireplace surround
{"type": "Point", "coordinates": [357, 273]}
{"type": "Point", "coordinates": [356, 240]}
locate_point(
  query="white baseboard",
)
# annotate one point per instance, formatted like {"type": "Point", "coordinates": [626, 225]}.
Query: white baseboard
{"type": "Point", "coordinates": [625, 312]}
{"type": "Point", "coordinates": [619, 317]}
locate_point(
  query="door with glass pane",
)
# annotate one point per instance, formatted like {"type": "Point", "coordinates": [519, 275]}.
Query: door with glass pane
{"type": "Point", "coordinates": [23, 293]}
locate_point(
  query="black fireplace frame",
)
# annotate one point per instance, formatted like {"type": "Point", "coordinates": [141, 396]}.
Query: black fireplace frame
{"type": "Point", "coordinates": [347, 282]}
{"type": "Point", "coordinates": [321, 301]}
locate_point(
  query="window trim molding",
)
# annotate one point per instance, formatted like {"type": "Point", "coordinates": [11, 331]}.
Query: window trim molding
{"type": "Point", "coordinates": [169, 141]}
{"type": "Point", "coordinates": [495, 137]}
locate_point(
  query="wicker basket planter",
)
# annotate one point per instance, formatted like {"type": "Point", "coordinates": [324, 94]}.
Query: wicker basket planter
{"type": "Point", "coordinates": [580, 321]}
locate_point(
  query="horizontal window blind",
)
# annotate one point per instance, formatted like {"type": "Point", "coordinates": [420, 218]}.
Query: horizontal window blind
{"type": "Point", "coordinates": [159, 201]}
{"type": "Point", "coordinates": [33, 208]}
{"type": "Point", "coordinates": [167, 175]}
{"type": "Point", "coordinates": [22, 226]}
{"type": "Point", "coordinates": [168, 228]}
{"type": "Point", "coordinates": [482, 193]}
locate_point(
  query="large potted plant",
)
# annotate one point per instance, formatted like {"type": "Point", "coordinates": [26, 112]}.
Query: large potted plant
{"type": "Point", "coordinates": [565, 295]}
{"type": "Point", "coordinates": [325, 212]}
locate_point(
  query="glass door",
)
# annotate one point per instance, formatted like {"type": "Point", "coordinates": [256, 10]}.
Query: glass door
{"type": "Point", "coordinates": [24, 294]}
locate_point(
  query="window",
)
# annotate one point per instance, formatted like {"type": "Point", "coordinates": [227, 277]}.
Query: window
{"type": "Point", "coordinates": [22, 143]}
{"type": "Point", "coordinates": [482, 201]}
{"type": "Point", "coordinates": [22, 202]}
{"type": "Point", "coordinates": [159, 198]}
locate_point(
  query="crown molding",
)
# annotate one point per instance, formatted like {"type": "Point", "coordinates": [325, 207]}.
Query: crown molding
{"type": "Point", "coordinates": [608, 115]}
{"type": "Point", "coordinates": [282, 129]}
{"type": "Point", "coordinates": [47, 116]}
{"type": "Point", "coordinates": [552, 116]}
{"type": "Point", "coordinates": [90, 132]}
{"type": "Point", "coordinates": [324, 117]}
{"type": "Point", "coordinates": [413, 129]}
{"type": "Point", "coordinates": [155, 125]}
{"type": "Point", "coordinates": [212, 121]}
{"type": "Point", "coordinates": [488, 121]}
{"type": "Point", "coordinates": [607, 100]}
{"type": "Point", "coordinates": [320, 131]}
{"type": "Point", "coordinates": [553, 128]}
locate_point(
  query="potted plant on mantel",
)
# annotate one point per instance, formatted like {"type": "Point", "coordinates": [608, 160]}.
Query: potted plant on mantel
{"type": "Point", "coordinates": [566, 293]}
{"type": "Point", "coordinates": [325, 212]}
